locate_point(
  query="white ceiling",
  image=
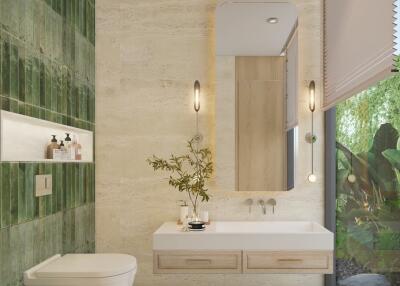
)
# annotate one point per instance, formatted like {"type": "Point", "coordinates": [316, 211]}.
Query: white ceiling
{"type": "Point", "coordinates": [242, 29]}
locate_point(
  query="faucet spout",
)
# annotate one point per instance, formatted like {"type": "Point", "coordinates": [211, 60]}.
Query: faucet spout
{"type": "Point", "coordinates": [263, 207]}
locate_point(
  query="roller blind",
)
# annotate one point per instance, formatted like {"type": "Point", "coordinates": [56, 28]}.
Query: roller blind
{"type": "Point", "coordinates": [358, 46]}
{"type": "Point", "coordinates": [292, 82]}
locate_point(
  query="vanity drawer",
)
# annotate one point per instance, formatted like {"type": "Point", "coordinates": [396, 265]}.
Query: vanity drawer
{"type": "Point", "coordinates": [197, 262]}
{"type": "Point", "coordinates": [287, 262]}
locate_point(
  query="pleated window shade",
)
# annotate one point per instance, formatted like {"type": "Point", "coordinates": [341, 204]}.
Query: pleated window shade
{"type": "Point", "coordinates": [358, 46]}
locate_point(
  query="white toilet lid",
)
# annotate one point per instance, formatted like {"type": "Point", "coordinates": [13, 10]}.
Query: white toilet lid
{"type": "Point", "coordinates": [88, 266]}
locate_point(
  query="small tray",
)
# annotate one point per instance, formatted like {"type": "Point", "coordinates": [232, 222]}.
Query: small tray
{"type": "Point", "coordinates": [200, 229]}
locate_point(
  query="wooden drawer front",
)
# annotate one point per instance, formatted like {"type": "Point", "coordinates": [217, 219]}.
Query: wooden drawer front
{"type": "Point", "coordinates": [198, 262]}
{"type": "Point", "coordinates": [287, 262]}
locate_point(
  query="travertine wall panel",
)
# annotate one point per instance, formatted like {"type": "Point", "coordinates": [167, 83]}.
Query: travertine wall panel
{"type": "Point", "coordinates": [148, 54]}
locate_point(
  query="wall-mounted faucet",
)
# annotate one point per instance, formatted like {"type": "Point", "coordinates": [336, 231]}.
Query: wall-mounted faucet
{"type": "Point", "coordinates": [249, 203]}
{"type": "Point", "coordinates": [263, 207]}
{"type": "Point", "coordinates": [271, 202]}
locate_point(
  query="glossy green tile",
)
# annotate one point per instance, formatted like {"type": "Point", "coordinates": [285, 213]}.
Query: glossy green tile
{"type": "Point", "coordinates": [68, 186]}
{"type": "Point", "coordinates": [1, 62]}
{"type": "Point", "coordinates": [64, 8]}
{"type": "Point", "coordinates": [64, 186]}
{"type": "Point", "coordinates": [28, 19]}
{"type": "Point", "coordinates": [14, 70]}
{"type": "Point", "coordinates": [37, 24]}
{"type": "Point", "coordinates": [29, 190]}
{"type": "Point", "coordinates": [27, 98]}
{"type": "Point", "coordinates": [82, 103]}
{"type": "Point", "coordinates": [42, 86]}
{"type": "Point", "coordinates": [42, 200]}
{"type": "Point", "coordinates": [57, 6]}
{"type": "Point", "coordinates": [36, 80]}
{"type": "Point", "coordinates": [5, 195]}
{"type": "Point", "coordinates": [21, 108]}
{"type": "Point", "coordinates": [1, 204]}
{"type": "Point", "coordinates": [60, 186]}
{"type": "Point", "coordinates": [48, 170]}
{"type": "Point", "coordinates": [21, 74]}
{"type": "Point", "coordinates": [16, 244]}
{"type": "Point", "coordinates": [5, 64]}
{"type": "Point", "coordinates": [72, 101]}
{"type": "Point", "coordinates": [56, 192]}
{"type": "Point", "coordinates": [63, 92]}
{"type": "Point", "coordinates": [36, 204]}
{"type": "Point", "coordinates": [39, 238]}
{"type": "Point", "coordinates": [14, 106]}
{"type": "Point", "coordinates": [74, 186]}
{"type": "Point", "coordinates": [5, 256]}
{"type": "Point", "coordinates": [84, 16]}
{"type": "Point", "coordinates": [9, 16]}
{"type": "Point", "coordinates": [81, 180]}
{"type": "Point", "coordinates": [5, 103]}
{"type": "Point", "coordinates": [55, 87]}
{"type": "Point", "coordinates": [22, 217]}
{"type": "Point", "coordinates": [14, 192]}
{"type": "Point", "coordinates": [48, 83]}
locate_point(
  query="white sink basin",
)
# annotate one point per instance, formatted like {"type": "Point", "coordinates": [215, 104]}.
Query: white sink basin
{"type": "Point", "coordinates": [268, 227]}
{"type": "Point", "coordinates": [245, 236]}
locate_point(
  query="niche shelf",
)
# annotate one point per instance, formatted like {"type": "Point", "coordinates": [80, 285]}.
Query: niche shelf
{"type": "Point", "coordinates": [25, 139]}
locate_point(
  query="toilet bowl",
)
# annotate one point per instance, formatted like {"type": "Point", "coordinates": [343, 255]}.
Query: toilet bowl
{"type": "Point", "coordinates": [83, 270]}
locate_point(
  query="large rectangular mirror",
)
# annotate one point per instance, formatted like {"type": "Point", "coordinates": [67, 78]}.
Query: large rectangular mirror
{"type": "Point", "coordinates": [256, 105]}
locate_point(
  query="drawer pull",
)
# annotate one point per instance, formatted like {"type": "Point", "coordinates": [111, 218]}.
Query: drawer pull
{"type": "Point", "coordinates": [290, 260]}
{"type": "Point", "coordinates": [198, 261]}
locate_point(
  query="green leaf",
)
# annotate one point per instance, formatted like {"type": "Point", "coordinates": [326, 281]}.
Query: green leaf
{"type": "Point", "coordinates": [393, 156]}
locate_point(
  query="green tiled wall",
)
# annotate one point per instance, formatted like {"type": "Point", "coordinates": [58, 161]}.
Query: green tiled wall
{"type": "Point", "coordinates": [47, 71]}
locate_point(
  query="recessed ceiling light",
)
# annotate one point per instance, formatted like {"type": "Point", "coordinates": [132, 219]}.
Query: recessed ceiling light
{"type": "Point", "coordinates": [273, 20]}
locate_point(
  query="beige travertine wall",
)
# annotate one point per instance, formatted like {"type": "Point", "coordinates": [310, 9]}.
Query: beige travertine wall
{"type": "Point", "coordinates": [148, 55]}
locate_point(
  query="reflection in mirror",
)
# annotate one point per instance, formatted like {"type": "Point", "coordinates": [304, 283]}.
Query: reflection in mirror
{"type": "Point", "coordinates": [256, 104]}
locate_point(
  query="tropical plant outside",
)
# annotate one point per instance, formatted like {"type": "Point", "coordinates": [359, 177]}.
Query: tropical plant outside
{"type": "Point", "coordinates": [368, 182]}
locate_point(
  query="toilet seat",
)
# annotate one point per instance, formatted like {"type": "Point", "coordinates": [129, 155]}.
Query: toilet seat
{"type": "Point", "coordinates": [83, 269]}
{"type": "Point", "coordinates": [88, 266]}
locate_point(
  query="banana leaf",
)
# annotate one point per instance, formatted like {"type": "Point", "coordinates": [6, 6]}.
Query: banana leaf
{"type": "Point", "coordinates": [393, 156]}
{"type": "Point", "coordinates": [374, 170]}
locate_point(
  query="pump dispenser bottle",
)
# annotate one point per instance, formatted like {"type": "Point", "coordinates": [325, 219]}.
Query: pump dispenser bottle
{"type": "Point", "coordinates": [51, 147]}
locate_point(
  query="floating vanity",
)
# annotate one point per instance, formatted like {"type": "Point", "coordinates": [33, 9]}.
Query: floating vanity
{"type": "Point", "coordinates": [244, 247]}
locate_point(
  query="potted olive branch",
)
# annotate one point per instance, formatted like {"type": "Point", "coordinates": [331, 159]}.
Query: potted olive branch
{"type": "Point", "coordinates": [189, 173]}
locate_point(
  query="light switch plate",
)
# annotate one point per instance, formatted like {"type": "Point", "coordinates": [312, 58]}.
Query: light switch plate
{"type": "Point", "coordinates": [44, 185]}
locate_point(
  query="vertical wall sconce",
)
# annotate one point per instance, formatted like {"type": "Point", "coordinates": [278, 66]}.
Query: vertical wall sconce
{"type": "Point", "coordinates": [196, 104]}
{"type": "Point", "coordinates": [196, 96]}
{"type": "Point", "coordinates": [310, 137]}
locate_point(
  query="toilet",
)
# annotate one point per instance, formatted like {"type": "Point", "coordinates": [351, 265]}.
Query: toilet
{"type": "Point", "coordinates": [83, 269]}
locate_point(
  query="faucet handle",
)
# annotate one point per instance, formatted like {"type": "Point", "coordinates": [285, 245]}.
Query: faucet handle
{"type": "Point", "coordinates": [272, 202]}
{"type": "Point", "coordinates": [249, 202]}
